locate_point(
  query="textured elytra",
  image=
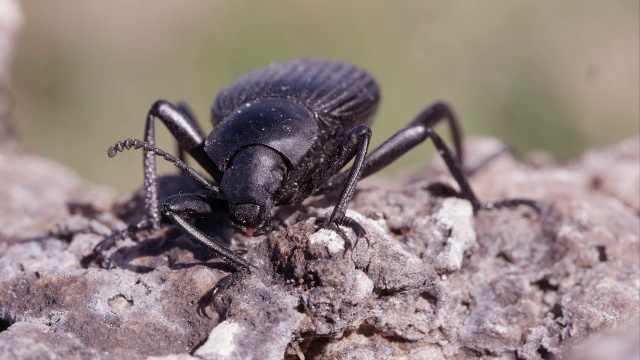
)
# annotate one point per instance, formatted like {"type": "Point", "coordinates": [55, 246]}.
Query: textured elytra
{"type": "Point", "coordinates": [340, 93]}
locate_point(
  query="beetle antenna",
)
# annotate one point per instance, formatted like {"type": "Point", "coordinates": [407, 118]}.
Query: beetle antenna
{"type": "Point", "coordinates": [128, 144]}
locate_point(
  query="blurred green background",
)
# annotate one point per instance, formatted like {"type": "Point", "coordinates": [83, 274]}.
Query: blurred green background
{"type": "Point", "coordinates": [555, 75]}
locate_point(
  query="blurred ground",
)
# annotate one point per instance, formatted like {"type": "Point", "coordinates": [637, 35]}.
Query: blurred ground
{"type": "Point", "coordinates": [545, 75]}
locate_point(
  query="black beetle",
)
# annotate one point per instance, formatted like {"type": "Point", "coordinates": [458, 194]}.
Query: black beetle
{"type": "Point", "coordinates": [281, 134]}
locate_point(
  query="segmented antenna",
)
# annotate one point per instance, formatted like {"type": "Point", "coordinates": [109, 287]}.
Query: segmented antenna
{"type": "Point", "coordinates": [128, 144]}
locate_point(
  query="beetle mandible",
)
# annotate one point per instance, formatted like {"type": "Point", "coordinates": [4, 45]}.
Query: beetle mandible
{"type": "Point", "coordinates": [281, 134]}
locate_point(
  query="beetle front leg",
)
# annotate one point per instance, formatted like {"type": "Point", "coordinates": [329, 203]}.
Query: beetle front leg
{"type": "Point", "coordinates": [146, 223]}
{"type": "Point", "coordinates": [190, 137]}
{"type": "Point", "coordinates": [356, 144]}
{"type": "Point", "coordinates": [179, 207]}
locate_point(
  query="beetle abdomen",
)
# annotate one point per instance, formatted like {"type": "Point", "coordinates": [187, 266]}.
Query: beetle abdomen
{"type": "Point", "coordinates": [336, 91]}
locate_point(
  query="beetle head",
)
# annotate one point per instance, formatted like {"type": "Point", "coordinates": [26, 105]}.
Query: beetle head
{"type": "Point", "coordinates": [250, 185]}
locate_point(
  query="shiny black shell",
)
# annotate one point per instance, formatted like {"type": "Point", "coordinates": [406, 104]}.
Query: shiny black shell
{"type": "Point", "coordinates": [301, 108]}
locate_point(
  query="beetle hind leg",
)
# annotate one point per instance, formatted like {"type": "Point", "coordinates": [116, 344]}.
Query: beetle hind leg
{"type": "Point", "coordinates": [536, 205]}
{"type": "Point", "coordinates": [417, 132]}
{"type": "Point", "coordinates": [471, 169]}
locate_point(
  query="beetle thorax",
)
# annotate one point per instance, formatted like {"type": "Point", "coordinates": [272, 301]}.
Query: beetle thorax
{"type": "Point", "coordinates": [280, 124]}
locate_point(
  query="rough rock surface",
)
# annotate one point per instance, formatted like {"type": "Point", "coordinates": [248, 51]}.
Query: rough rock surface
{"type": "Point", "coordinates": [428, 281]}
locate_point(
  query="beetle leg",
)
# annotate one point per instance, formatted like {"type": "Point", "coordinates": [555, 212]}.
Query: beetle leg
{"type": "Point", "coordinates": [110, 241]}
{"type": "Point", "coordinates": [356, 145]}
{"type": "Point", "coordinates": [191, 119]}
{"type": "Point", "coordinates": [146, 223]}
{"type": "Point", "coordinates": [179, 207]}
{"type": "Point", "coordinates": [470, 170]}
{"type": "Point", "coordinates": [415, 133]}
{"type": "Point", "coordinates": [405, 140]}
{"type": "Point", "coordinates": [189, 136]}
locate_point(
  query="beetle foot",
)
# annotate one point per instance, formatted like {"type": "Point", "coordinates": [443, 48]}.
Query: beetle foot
{"type": "Point", "coordinates": [110, 241]}
{"type": "Point", "coordinates": [348, 222]}
{"type": "Point", "coordinates": [215, 299]}
{"type": "Point", "coordinates": [105, 245]}
{"type": "Point", "coordinates": [96, 258]}
{"type": "Point", "coordinates": [535, 205]}
{"type": "Point", "coordinates": [231, 279]}
{"type": "Point", "coordinates": [97, 255]}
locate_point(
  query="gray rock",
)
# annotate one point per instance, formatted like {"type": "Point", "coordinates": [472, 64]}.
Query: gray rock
{"type": "Point", "coordinates": [429, 279]}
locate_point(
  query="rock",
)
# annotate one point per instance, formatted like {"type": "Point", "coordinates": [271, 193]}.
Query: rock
{"type": "Point", "coordinates": [428, 280]}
